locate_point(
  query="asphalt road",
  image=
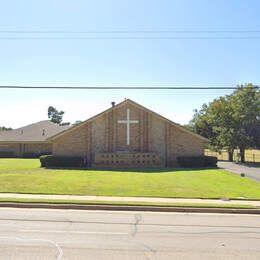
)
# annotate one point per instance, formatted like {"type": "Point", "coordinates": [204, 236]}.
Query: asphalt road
{"type": "Point", "coordinates": [249, 171]}
{"type": "Point", "coordinates": [74, 234]}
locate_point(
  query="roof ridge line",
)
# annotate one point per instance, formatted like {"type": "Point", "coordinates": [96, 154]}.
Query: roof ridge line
{"type": "Point", "coordinates": [119, 104]}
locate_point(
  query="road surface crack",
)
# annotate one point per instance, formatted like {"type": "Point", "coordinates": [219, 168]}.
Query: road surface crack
{"type": "Point", "coordinates": [138, 219]}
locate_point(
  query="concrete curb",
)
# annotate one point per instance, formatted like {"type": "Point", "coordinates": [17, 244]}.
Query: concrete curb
{"type": "Point", "coordinates": [128, 208]}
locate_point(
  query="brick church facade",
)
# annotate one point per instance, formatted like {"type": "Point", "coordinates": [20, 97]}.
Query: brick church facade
{"type": "Point", "coordinates": [128, 134]}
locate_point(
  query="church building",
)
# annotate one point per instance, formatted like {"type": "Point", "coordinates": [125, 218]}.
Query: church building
{"type": "Point", "coordinates": [128, 134]}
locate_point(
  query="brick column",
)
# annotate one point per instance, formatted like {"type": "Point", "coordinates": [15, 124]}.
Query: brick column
{"type": "Point", "coordinates": [141, 130]}
{"type": "Point", "coordinates": [167, 144]}
{"type": "Point", "coordinates": [115, 130]}
{"type": "Point", "coordinates": [149, 128]}
{"type": "Point", "coordinates": [110, 131]}
{"type": "Point", "coordinates": [89, 143]}
{"type": "Point", "coordinates": [146, 130]}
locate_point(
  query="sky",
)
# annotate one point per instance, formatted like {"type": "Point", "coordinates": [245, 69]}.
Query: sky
{"type": "Point", "coordinates": [184, 62]}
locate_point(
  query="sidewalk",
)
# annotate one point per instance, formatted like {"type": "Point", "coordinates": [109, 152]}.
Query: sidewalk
{"type": "Point", "coordinates": [129, 199]}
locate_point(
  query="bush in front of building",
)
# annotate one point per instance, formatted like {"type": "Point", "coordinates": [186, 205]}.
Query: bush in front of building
{"type": "Point", "coordinates": [53, 161]}
{"type": "Point", "coordinates": [7, 154]}
{"type": "Point", "coordinates": [197, 161]}
{"type": "Point", "coordinates": [34, 154]}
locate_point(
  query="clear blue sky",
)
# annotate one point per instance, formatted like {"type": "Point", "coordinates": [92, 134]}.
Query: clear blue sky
{"type": "Point", "coordinates": [75, 62]}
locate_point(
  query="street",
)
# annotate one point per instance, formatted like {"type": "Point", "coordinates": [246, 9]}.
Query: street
{"type": "Point", "coordinates": [77, 234]}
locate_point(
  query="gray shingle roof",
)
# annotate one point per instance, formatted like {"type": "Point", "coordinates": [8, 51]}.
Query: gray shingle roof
{"type": "Point", "coordinates": [37, 132]}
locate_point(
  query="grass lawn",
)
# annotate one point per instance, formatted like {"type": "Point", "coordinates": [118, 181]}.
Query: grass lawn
{"type": "Point", "coordinates": [26, 176]}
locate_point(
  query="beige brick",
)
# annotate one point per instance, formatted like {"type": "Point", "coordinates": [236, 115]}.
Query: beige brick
{"type": "Point", "coordinates": [19, 148]}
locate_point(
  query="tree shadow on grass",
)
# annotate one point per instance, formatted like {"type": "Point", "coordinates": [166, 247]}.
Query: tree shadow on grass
{"type": "Point", "coordinates": [140, 170]}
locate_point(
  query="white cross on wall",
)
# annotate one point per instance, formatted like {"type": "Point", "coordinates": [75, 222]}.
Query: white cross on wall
{"type": "Point", "coordinates": [128, 122]}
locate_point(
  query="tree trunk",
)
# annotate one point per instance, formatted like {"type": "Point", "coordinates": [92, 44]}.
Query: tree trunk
{"type": "Point", "coordinates": [230, 155]}
{"type": "Point", "coordinates": [242, 154]}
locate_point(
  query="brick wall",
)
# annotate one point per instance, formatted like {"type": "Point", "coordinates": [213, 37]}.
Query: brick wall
{"type": "Point", "coordinates": [10, 147]}
{"type": "Point", "coordinates": [38, 148]}
{"type": "Point", "coordinates": [180, 143]}
{"type": "Point", "coordinates": [74, 143]}
{"type": "Point", "coordinates": [120, 159]}
{"type": "Point", "coordinates": [19, 148]}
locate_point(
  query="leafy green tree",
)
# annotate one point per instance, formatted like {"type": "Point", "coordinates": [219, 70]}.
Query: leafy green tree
{"type": "Point", "coordinates": [255, 133]}
{"type": "Point", "coordinates": [64, 123]}
{"type": "Point", "coordinates": [200, 122]}
{"type": "Point", "coordinates": [245, 104]}
{"type": "Point", "coordinates": [55, 115]}
{"type": "Point", "coordinates": [3, 128]}
{"type": "Point", "coordinates": [77, 122]}
{"type": "Point", "coordinates": [212, 122]}
{"type": "Point", "coordinates": [232, 121]}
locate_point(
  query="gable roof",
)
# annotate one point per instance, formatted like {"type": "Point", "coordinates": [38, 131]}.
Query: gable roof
{"type": "Point", "coordinates": [37, 132]}
{"type": "Point", "coordinates": [121, 104]}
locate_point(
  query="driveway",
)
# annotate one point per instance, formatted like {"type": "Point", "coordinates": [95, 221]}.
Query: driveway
{"type": "Point", "coordinates": [251, 172]}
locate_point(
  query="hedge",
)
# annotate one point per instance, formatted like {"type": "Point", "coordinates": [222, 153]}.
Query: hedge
{"type": "Point", "coordinates": [50, 161]}
{"type": "Point", "coordinates": [34, 154]}
{"type": "Point", "coordinates": [6, 154]}
{"type": "Point", "coordinates": [197, 161]}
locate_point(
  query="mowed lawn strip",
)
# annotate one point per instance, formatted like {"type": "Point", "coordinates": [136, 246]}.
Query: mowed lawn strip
{"type": "Point", "coordinates": [26, 176]}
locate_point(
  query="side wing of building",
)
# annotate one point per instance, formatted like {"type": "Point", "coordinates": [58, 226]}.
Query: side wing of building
{"type": "Point", "coordinates": [30, 140]}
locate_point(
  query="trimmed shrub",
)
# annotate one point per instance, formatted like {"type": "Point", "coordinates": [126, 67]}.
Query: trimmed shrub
{"type": "Point", "coordinates": [6, 154]}
{"type": "Point", "coordinates": [34, 154]}
{"type": "Point", "coordinates": [43, 160]}
{"type": "Point", "coordinates": [52, 161]}
{"type": "Point", "coordinates": [197, 161]}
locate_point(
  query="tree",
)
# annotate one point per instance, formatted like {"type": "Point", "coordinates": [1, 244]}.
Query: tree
{"type": "Point", "coordinates": [65, 123]}
{"type": "Point", "coordinates": [77, 122]}
{"type": "Point", "coordinates": [55, 115]}
{"type": "Point", "coordinates": [255, 133]}
{"type": "Point", "coordinates": [3, 128]}
{"type": "Point", "coordinates": [245, 103]}
{"type": "Point", "coordinates": [214, 123]}
{"type": "Point", "coordinates": [232, 121]}
{"type": "Point", "coordinates": [200, 122]}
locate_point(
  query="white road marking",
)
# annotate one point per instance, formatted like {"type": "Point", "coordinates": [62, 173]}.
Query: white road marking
{"type": "Point", "coordinates": [73, 232]}
{"type": "Point", "coordinates": [60, 255]}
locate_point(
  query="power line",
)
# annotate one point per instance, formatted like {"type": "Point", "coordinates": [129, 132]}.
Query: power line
{"type": "Point", "coordinates": [121, 88]}
{"type": "Point", "coordinates": [137, 38]}
{"type": "Point", "coordinates": [128, 84]}
{"type": "Point", "coordinates": [129, 34]}
{"type": "Point", "coordinates": [123, 31]}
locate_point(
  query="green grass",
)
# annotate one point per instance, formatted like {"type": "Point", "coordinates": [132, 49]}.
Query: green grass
{"type": "Point", "coordinates": [26, 176]}
{"type": "Point", "coordinates": [127, 203]}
